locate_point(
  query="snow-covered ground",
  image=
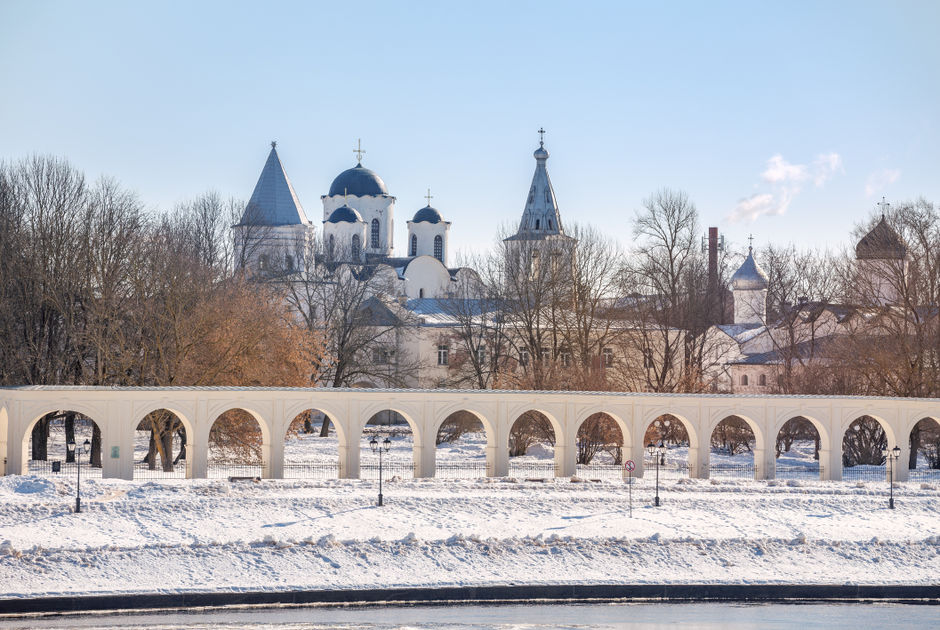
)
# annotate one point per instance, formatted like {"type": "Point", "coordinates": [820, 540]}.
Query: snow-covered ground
{"type": "Point", "coordinates": [199, 535]}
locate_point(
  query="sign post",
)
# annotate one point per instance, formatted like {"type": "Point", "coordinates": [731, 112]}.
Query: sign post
{"type": "Point", "coordinates": [629, 466]}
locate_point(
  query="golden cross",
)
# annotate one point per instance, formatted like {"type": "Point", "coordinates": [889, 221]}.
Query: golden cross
{"type": "Point", "coordinates": [359, 151]}
{"type": "Point", "coordinates": [429, 197]}
{"type": "Point", "coordinates": [541, 136]}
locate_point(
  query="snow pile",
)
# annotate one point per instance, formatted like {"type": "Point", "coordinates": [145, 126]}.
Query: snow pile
{"type": "Point", "coordinates": [213, 535]}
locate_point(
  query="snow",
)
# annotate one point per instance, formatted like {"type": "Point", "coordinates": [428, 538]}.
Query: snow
{"type": "Point", "coordinates": [199, 535]}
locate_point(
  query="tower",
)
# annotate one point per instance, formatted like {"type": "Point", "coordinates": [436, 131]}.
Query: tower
{"type": "Point", "coordinates": [427, 233]}
{"type": "Point", "coordinates": [749, 285]}
{"type": "Point", "coordinates": [273, 234]}
{"type": "Point", "coordinates": [881, 263]}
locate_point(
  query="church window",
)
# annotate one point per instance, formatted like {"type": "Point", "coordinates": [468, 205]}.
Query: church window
{"type": "Point", "coordinates": [548, 197]}
{"type": "Point", "coordinates": [537, 224]}
{"type": "Point", "coordinates": [356, 247]}
{"type": "Point", "coordinates": [421, 293]}
{"type": "Point", "coordinates": [439, 248]}
{"type": "Point", "coordinates": [442, 351]}
{"type": "Point", "coordinates": [744, 380]}
{"type": "Point", "coordinates": [289, 262]}
{"type": "Point", "coordinates": [414, 245]}
{"type": "Point", "coordinates": [375, 234]}
{"type": "Point", "coordinates": [331, 246]}
{"type": "Point", "coordinates": [762, 380]}
{"type": "Point", "coordinates": [549, 224]}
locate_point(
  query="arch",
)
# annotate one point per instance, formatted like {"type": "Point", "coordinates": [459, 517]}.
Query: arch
{"type": "Point", "coordinates": [159, 442]}
{"type": "Point", "coordinates": [600, 439]}
{"type": "Point", "coordinates": [676, 433]}
{"type": "Point", "coordinates": [356, 247]}
{"type": "Point", "coordinates": [232, 448]}
{"type": "Point", "coordinates": [654, 414]}
{"type": "Point", "coordinates": [741, 437]}
{"type": "Point", "coordinates": [805, 461]}
{"type": "Point", "coordinates": [54, 443]}
{"type": "Point", "coordinates": [394, 462]}
{"type": "Point", "coordinates": [463, 422]}
{"type": "Point", "coordinates": [310, 451]}
{"type": "Point", "coordinates": [414, 245]}
{"type": "Point", "coordinates": [539, 427]}
{"type": "Point", "coordinates": [374, 234]}
{"type": "Point", "coordinates": [863, 440]}
{"type": "Point", "coordinates": [439, 248]}
{"type": "Point", "coordinates": [924, 442]}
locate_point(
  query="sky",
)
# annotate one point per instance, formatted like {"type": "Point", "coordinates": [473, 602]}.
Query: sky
{"type": "Point", "coordinates": [785, 120]}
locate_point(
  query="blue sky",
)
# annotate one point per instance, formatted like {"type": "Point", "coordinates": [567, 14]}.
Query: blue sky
{"type": "Point", "coordinates": [787, 119]}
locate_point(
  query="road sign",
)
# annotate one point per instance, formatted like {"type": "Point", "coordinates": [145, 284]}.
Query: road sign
{"type": "Point", "coordinates": [629, 465]}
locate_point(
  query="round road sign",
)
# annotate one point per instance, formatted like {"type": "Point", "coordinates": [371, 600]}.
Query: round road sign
{"type": "Point", "coordinates": [629, 465]}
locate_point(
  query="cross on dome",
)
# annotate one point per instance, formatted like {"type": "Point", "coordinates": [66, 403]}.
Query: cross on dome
{"type": "Point", "coordinates": [359, 150]}
{"type": "Point", "coordinates": [429, 197]}
{"type": "Point", "coordinates": [274, 144]}
{"type": "Point", "coordinates": [750, 242]}
{"type": "Point", "coordinates": [884, 205]}
{"type": "Point", "coordinates": [541, 136]}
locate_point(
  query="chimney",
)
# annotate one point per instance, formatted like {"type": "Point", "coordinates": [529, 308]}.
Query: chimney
{"type": "Point", "coordinates": [712, 259]}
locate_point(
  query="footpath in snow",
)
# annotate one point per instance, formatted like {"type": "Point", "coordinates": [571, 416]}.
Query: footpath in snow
{"type": "Point", "coordinates": [209, 535]}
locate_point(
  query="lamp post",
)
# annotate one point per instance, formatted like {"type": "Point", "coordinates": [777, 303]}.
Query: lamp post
{"type": "Point", "coordinates": [891, 456]}
{"type": "Point", "coordinates": [380, 449]}
{"type": "Point", "coordinates": [659, 452]}
{"type": "Point", "coordinates": [78, 467]}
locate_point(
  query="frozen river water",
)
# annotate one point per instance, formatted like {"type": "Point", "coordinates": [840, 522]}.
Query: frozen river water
{"type": "Point", "coordinates": [529, 617]}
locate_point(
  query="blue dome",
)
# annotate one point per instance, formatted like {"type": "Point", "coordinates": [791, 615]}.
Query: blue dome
{"type": "Point", "coordinates": [358, 181]}
{"type": "Point", "coordinates": [429, 214]}
{"type": "Point", "coordinates": [345, 214]}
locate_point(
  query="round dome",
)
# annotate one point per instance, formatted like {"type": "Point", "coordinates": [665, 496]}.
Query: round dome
{"type": "Point", "coordinates": [541, 153]}
{"type": "Point", "coordinates": [749, 277]}
{"type": "Point", "coordinates": [429, 214]}
{"type": "Point", "coordinates": [358, 181]}
{"type": "Point", "coordinates": [345, 214]}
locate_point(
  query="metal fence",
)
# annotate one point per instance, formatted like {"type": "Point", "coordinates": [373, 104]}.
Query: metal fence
{"type": "Point", "coordinates": [864, 473]}
{"type": "Point", "coordinates": [57, 467]}
{"type": "Point", "coordinates": [923, 474]}
{"type": "Point", "coordinates": [532, 470]}
{"type": "Point", "coordinates": [460, 470]}
{"type": "Point", "coordinates": [223, 469]}
{"type": "Point", "coordinates": [731, 471]}
{"type": "Point", "coordinates": [143, 471]}
{"type": "Point", "coordinates": [370, 470]}
{"type": "Point", "coordinates": [611, 472]}
{"type": "Point", "coordinates": [799, 472]}
{"type": "Point", "coordinates": [311, 470]}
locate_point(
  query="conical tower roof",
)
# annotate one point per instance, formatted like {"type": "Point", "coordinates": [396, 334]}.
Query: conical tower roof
{"type": "Point", "coordinates": [273, 201]}
{"type": "Point", "coordinates": [541, 217]}
{"type": "Point", "coordinates": [881, 243]}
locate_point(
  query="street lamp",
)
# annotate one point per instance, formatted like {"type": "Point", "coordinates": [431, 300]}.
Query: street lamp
{"type": "Point", "coordinates": [380, 449]}
{"type": "Point", "coordinates": [78, 467]}
{"type": "Point", "coordinates": [891, 456]}
{"type": "Point", "coordinates": [659, 452]}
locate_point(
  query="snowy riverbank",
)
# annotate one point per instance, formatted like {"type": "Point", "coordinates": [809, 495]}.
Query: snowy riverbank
{"type": "Point", "coordinates": [208, 535]}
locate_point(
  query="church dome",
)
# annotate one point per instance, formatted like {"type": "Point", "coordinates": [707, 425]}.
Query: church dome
{"type": "Point", "coordinates": [358, 181]}
{"type": "Point", "coordinates": [541, 153]}
{"type": "Point", "coordinates": [881, 243]}
{"type": "Point", "coordinates": [429, 214]}
{"type": "Point", "coordinates": [749, 277]}
{"type": "Point", "coordinates": [345, 214]}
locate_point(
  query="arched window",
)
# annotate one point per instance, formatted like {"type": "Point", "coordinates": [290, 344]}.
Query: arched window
{"type": "Point", "coordinates": [414, 245]}
{"type": "Point", "coordinates": [744, 380]}
{"type": "Point", "coordinates": [331, 246]}
{"type": "Point", "coordinates": [356, 247]}
{"type": "Point", "coordinates": [537, 224]}
{"type": "Point", "coordinates": [375, 234]}
{"type": "Point", "coordinates": [549, 224]}
{"type": "Point", "coordinates": [439, 248]}
{"type": "Point", "coordinates": [421, 293]}
{"type": "Point", "coordinates": [762, 380]}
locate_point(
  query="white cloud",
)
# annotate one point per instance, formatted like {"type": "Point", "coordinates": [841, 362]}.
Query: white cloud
{"type": "Point", "coordinates": [780, 171]}
{"type": "Point", "coordinates": [786, 180]}
{"type": "Point", "coordinates": [825, 166]}
{"type": "Point", "coordinates": [760, 204]}
{"type": "Point", "coordinates": [879, 180]}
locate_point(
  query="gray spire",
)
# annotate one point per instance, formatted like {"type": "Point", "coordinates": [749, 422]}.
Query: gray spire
{"type": "Point", "coordinates": [274, 201]}
{"type": "Point", "coordinates": [749, 276]}
{"type": "Point", "coordinates": [541, 216]}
